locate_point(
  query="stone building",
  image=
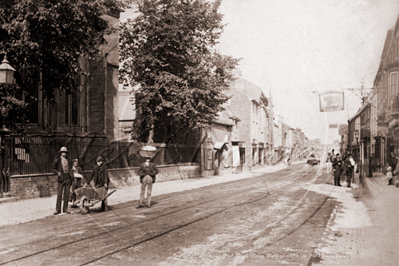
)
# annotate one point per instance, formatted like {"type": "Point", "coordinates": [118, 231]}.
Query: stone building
{"type": "Point", "coordinates": [251, 106]}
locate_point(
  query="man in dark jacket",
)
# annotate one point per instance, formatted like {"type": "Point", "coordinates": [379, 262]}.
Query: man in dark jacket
{"type": "Point", "coordinates": [147, 172]}
{"type": "Point", "coordinates": [349, 165]}
{"type": "Point", "coordinates": [337, 168]}
{"type": "Point", "coordinates": [99, 175]}
{"type": "Point", "coordinates": [62, 168]}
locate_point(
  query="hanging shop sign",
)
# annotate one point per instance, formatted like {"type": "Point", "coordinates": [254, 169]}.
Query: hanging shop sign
{"type": "Point", "coordinates": [332, 101]}
{"type": "Point", "coordinates": [343, 129]}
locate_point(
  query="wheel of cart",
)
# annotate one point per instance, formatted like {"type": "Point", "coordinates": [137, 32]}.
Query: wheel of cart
{"type": "Point", "coordinates": [84, 202]}
{"type": "Point", "coordinates": [88, 197]}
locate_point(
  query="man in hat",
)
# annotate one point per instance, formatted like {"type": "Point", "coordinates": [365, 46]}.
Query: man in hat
{"type": "Point", "coordinates": [349, 166]}
{"type": "Point", "coordinates": [147, 172]}
{"type": "Point", "coordinates": [337, 169]}
{"type": "Point", "coordinates": [62, 168]}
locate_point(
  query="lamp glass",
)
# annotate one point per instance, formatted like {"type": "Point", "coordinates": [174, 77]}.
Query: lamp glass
{"type": "Point", "coordinates": [10, 76]}
{"type": "Point", "coordinates": [3, 76]}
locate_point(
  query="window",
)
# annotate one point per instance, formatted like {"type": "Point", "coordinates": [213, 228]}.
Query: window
{"type": "Point", "coordinates": [72, 108]}
{"type": "Point", "coordinates": [393, 85]}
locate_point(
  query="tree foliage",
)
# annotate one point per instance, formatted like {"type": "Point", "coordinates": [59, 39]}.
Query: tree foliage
{"type": "Point", "coordinates": [12, 109]}
{"type": "Point", "coordinates": [49, 36]}
{"type": "Point", "coordinates": [168, 49]}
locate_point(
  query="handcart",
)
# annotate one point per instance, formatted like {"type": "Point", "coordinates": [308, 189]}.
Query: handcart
{"type": "Point", "coordinates": [87, 197]}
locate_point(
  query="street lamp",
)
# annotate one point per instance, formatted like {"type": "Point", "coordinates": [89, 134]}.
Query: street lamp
{"type": "Point", "coordinates": [6, 77]}
{"type": "Point", "coordinates": [6, 72]}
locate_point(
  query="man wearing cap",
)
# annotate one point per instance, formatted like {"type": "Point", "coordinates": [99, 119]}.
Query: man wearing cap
{"type": "Point", "coordinates": [62, 168]}
{"type": "Point", "coordinates": [147, 172]}
{"type": "Point", "coordinates": [99, 175]}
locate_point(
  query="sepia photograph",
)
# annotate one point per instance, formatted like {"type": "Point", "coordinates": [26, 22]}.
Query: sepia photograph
{"type": "Point", "coordinates": [199, 132]}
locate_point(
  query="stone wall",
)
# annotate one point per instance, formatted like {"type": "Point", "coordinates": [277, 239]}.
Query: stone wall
{"type": "Point", "coordinates": [44, 185]}
{"type": "Point", "coordinates": [128, 176]}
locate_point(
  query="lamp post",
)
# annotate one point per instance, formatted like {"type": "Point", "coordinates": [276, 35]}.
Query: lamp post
{"type": "Point", "coordinates": [6, 77]}
{"type": "Point", "coordinates": [6, 72]}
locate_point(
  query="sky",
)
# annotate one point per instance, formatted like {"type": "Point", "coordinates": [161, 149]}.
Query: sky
{"type": "Point", "coordinates": [294, 49]}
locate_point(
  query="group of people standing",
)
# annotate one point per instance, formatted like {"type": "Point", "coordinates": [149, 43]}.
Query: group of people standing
{"type": "Point", "coordinates": [71, 175]}
{"type": "Point", "coordinates": [338, 165]}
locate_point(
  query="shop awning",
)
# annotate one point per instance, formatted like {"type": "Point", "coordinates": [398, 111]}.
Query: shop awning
{"type": "Point", "coordinates": [220, 145]}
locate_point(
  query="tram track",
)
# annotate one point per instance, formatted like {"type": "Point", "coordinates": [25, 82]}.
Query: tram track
{"type": "Point", "coordinates": [165, 232]}
{"type": "Point", "coordinates": [142, 241]}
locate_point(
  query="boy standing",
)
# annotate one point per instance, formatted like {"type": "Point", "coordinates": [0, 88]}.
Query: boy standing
{"type": "Point", "coordinates": [389, 175]}
{"type": "Point", "coordinates": [77, 179]}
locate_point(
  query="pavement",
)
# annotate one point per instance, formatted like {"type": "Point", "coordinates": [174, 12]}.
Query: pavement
{"type": "Point", "coordinates": [16, 212]}
{"type": "Point", "coordinates": [363, 228]}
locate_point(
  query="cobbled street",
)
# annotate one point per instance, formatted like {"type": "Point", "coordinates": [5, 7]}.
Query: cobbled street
{"type": "Point", "coordinates": [270, 219]}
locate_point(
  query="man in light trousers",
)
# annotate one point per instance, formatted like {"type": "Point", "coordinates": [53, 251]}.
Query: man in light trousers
{"type": "Point", "coordinates": [147, 172]}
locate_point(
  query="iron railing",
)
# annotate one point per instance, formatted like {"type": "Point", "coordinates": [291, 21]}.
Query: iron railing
{"type": "Point", "coordinates": [35, 155]}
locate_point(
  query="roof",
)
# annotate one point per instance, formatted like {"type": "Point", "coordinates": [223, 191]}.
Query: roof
{"type": "Point", "coordinates": [224, 118]}
{"type": "Point", "coordinates": [251, 90]}
{"type": "Point", "coordinates": [231, 114]}
{"type": "Point", "coordinates": [385, 50]}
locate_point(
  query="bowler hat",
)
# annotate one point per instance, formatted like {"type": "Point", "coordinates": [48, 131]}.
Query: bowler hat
{"type": "Point", "coordinates": [63, 149]}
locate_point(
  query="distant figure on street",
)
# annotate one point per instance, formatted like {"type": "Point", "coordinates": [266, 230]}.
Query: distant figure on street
{"type": "Point", "coordinates": [329, 163]}
{"type": "Point", "coordinates": [147, 172]}
{"type": "Point", "coordinates": [77, 179]}
{"type": "Point", "coordinates": [394, 162]}
{"type": "Point", "coordinates": [100, 178]}
{"type": "Point", "coordinates": [337, 169]}
{"type": "Point", "coordinates": [62, 168]}
{"type": "Point", "coordinates": [349, 166]}
{"type": "Point", "coordinates": [389, 175]}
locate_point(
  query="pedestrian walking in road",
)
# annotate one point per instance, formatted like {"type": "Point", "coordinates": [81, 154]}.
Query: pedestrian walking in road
{"type": "Point", "coordinates": [337, 169]}
{"type": "Point", "coordinates": [389, 175]}
{"type": "Point", "coordinates": [147, 172]}
{"type": "Point", "coordinates": [349, 166]}
{"type": "Point", "coordinates": [77, 173]}
{"type": "Point", "coordinates": [329, 163]}
{"type": "Point", "coordinates": [100, 178]}
{"type": "Point", "coordinates": [62, 168]}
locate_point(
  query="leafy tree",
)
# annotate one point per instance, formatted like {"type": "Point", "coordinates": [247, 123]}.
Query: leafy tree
{"type": "Point", "coordinates": [12, 109]}
{"type": "Point", "coordinates": [168, 50]}
{"type": "Point", "coordinates": [45, 38]}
